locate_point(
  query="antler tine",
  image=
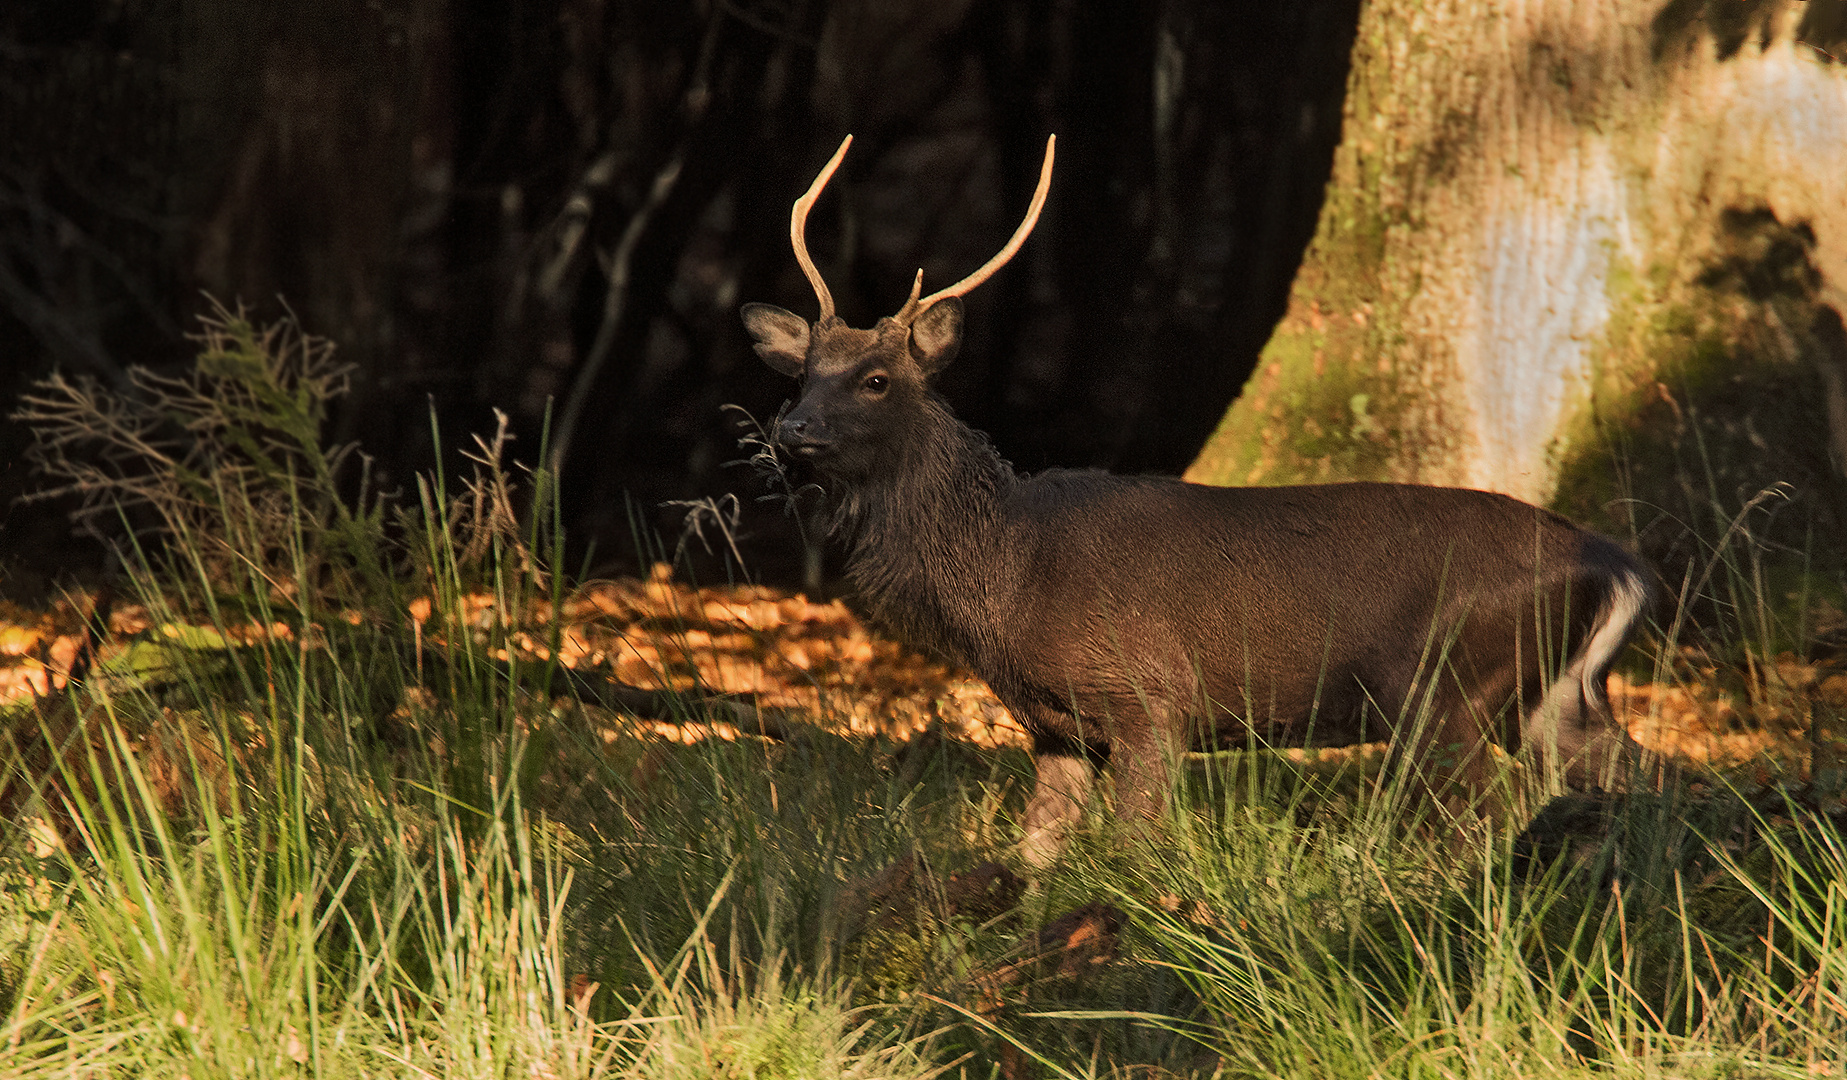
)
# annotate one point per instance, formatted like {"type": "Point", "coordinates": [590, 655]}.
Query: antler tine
{"type": "Point", "coordinates": [798, 230]}
{"type": "Point", "coordinates": [914, 307]}
{"type": "Point", "coordinates": [909, 310]}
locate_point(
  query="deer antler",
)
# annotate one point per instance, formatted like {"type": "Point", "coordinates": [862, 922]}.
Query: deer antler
{"type": "Point", "coordinates": [914, 307]}
{"type": "Point", "coordinates": [798, 230]}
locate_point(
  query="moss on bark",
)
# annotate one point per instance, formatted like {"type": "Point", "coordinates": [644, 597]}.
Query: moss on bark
{"type": "Point", "coordinates": [1574, 255]}
{"type": "Point", "coordinates": [1714, 389]}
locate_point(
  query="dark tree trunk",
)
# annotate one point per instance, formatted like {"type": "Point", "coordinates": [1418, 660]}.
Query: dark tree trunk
{"type": "Point", "coordinates": [444, 187]}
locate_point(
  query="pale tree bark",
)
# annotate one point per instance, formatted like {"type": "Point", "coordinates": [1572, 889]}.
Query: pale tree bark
{"type": "Point", "coordinates": [1585, 252]}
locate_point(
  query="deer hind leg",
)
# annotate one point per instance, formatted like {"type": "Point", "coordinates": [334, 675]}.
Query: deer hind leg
{"type": "Point", "coordinates": [1440, 736]}
{"type": "Point", "coordinates": [1142, 755]}
{"type": "Point", "coordinates": [1460, 772]}
{"type": "Point", "coordinates": [1572, 732]}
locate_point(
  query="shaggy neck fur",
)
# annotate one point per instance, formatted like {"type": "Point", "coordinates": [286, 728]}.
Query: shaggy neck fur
{"type": "Point", "coordinates": [928, 547]}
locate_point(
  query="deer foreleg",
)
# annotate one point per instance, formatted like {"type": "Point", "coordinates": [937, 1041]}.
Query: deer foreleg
{"type": "Point", "coordinates": [1057, 804]}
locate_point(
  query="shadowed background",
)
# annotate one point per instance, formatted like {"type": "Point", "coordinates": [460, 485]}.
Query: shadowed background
{"type": "Point", "coordinates": [492, 205]}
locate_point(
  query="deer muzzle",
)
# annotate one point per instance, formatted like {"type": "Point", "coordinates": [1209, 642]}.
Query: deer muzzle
{"type": "Point", "coordinates": [803, 437]}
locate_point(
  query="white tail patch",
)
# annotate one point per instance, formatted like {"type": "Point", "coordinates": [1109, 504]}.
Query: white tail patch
{"type": "Point", "coordinates": [1575, 689]}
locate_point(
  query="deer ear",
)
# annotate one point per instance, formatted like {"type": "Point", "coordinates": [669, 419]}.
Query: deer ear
{"type": "Point", "coordinates": [782, 337]}
{"type": "Point", "coordinates": [937, 334]}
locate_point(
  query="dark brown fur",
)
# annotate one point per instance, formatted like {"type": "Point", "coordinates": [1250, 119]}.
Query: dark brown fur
{"type": "Point", "coordinates": [1129, 618]}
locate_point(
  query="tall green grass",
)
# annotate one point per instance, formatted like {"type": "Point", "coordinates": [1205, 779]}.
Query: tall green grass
{"type": "Point", "coordinates": [308, 824]}
{"type": "Point", "coordinates": [365, 841]}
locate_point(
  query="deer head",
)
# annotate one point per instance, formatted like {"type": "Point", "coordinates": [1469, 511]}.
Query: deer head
{"type": "Point", "coordinates": [859, 383]}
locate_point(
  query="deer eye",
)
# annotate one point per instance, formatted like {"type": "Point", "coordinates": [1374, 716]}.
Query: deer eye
{"type": "Point", "coordinates": [877, 384]}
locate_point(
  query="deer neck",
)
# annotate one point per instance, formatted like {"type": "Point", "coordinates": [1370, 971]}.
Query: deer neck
{"type": "Point", "coordinates": [928, 550]}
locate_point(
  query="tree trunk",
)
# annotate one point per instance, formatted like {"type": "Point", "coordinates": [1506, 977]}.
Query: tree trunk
{"type": "Point", "coordinates": [1589, 253]}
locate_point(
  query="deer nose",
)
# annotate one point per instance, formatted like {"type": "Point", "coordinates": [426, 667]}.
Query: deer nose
{"type": "Point", "coordinates": [802, 436]}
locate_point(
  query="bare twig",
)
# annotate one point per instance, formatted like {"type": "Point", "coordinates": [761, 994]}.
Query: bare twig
{"type": "Point", "coordinates": [573, 225]}
{"type": "Point", "coordinates": [723, 513]}
{"type": "Point", "coordinates": [483, 517]}
{"type": "Point", "coordinates": [615, 300]}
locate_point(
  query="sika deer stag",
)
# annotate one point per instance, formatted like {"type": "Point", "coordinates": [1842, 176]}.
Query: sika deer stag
{"type": "Point", "coordinates": [1123, 619]}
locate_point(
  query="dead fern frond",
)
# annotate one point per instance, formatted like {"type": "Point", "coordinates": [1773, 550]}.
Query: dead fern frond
{"type": "Point", "coordinates": [227, 454]}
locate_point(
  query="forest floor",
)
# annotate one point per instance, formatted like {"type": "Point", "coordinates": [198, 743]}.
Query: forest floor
{"type": "Point", "coordinates": [301, 800]}
{"type": "Point", "coordinates": [820, 661]}
{"type": "Point", "coordinates": [844, 899]}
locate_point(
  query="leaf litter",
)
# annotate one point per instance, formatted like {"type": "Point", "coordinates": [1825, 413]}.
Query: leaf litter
{"type": "Point", "coordinates": [821, 661]}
